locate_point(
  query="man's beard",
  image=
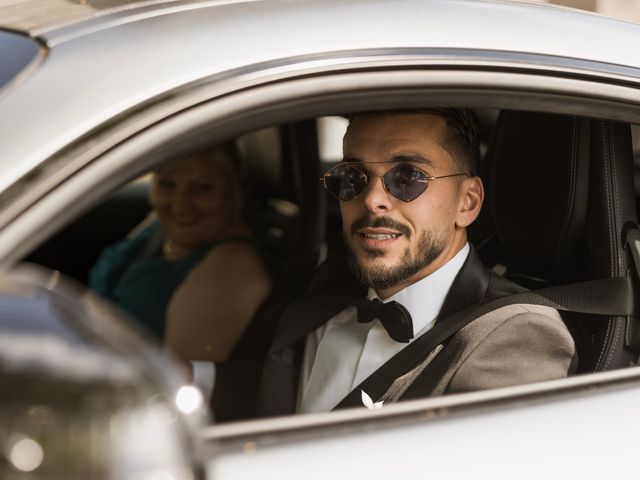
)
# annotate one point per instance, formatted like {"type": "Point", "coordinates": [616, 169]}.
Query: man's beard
{"type": "Point", "coordinates": [380, 277]}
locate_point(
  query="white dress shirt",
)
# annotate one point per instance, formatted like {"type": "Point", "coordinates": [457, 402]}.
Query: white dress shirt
{"type": "Point", "coordinates": [342, 353]}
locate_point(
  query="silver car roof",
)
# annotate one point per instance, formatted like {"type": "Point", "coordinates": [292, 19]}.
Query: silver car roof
{"type": "Point", "coordinates": [107, 63]}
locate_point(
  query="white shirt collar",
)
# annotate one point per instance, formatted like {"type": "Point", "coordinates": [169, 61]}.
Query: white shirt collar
{"type": "Point", "coordinates": [433, 288]}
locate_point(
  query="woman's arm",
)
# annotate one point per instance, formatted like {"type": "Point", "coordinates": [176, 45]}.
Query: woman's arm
{"type": "Point", "coordinates": [209, 312]}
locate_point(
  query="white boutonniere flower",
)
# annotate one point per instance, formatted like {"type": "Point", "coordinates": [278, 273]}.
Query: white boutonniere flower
{"type": "Point", "coordinates": [368, 402]}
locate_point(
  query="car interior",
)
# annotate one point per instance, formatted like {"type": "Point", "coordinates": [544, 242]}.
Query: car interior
{"type": "Point", "coordinates": [560, 193]}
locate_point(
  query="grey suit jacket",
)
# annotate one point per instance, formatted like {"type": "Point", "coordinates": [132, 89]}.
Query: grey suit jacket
{"type": "Point", "coordinates": [513, 345]}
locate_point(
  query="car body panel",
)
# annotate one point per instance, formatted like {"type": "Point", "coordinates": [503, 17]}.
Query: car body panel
{"type": "Point", "coordinates": [554, 437]}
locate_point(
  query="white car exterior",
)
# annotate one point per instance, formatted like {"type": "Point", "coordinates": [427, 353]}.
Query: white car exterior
{"type": "Point", "coordinates": [110, 89]}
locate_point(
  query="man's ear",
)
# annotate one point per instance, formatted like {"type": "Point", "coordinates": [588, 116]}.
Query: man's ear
{"type": "Point", "coordinates": [471, 197]}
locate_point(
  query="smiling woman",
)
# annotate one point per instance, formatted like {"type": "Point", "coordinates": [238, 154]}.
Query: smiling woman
{"type": "Point", "coordinates": [180, 272]}
{"type": "Point", "coordinates": [197, 200]}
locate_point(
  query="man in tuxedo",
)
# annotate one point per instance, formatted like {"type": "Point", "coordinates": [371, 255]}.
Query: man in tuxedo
{"type": "Point", "coordinates": [407, 191]}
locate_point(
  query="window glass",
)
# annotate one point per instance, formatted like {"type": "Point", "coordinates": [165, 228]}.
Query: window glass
{"type": "Point", "coordinates": [330, 133]}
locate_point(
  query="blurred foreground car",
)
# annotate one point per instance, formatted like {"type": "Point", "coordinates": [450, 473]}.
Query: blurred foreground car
{"type": "Point", "coordinates": [95, 94]}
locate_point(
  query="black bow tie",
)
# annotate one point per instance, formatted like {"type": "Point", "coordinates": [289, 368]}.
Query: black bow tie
{"type": "Point", "coordinates": [394, 317]}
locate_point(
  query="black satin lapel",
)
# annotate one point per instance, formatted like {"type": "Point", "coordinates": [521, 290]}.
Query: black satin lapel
{"type": "Point", "coordinates": [468, 289]}
{"type": "Point", "coordinates": [311, 312]}
{"type": "Point", "coordinates": [278, 391]}
{"type": "Point", "coordinates": [330, 291]}
{"type": "Point", "coordinates": [281, 373]}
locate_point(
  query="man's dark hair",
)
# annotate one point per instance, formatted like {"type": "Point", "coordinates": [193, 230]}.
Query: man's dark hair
{"type": "Point", "coordinates": [462, 140]}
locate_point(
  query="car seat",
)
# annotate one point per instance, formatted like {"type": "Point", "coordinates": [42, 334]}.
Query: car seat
{"type": "Point", "coordinates": [561, 195]}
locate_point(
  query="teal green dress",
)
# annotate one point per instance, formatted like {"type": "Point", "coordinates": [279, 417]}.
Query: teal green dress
{"type": "Point", "coordinates": [140, 280]}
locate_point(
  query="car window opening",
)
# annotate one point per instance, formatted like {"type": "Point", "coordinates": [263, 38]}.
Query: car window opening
{"type": "Point", "coordinates": [536, 230]}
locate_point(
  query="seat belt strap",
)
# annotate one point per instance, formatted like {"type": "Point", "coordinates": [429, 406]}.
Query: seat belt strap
{"type": "Point", "coordinates": [607, 296]}
{"type": "Point", "coordinates": [611, 297]}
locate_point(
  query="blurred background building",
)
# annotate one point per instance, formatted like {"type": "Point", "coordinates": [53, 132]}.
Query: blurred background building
{"type": "Point", "coordinates": [623, 9]}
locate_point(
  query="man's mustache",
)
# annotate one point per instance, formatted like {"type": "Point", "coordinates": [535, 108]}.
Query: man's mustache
{"type": "Point", "coordinates": [380, 222]}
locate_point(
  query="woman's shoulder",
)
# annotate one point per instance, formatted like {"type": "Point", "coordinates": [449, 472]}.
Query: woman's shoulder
{"type": "Point", "coordinates": [233, 248]}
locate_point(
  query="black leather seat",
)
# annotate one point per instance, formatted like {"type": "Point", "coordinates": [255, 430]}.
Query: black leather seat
{"type": "Point", "coordinates": [561, 193]}
{"type": "Point", "coordinates": [287, 222]}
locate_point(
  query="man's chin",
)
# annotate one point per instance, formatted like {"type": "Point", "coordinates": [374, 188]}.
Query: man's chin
{"type": "Point", "coordinates": [375, 264]}
{"type": "Point", "coordinates": [372, 255]}
{"type": "Point", "coordinates": [375, 275]}
{"type": "Point", "coordinates": [363, 253]}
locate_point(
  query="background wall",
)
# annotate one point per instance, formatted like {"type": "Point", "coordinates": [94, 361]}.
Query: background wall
{"type": "Point", "coordinates": [624, 9]}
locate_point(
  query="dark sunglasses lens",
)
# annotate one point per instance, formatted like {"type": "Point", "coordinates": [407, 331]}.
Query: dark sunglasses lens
{"type": "Point", "coordinates": [345, 182]}
{"type": "Point", "coordinates": [405, 182]}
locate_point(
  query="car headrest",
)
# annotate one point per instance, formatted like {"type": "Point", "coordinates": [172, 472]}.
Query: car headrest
{"type": "Point", "coordinates": [261, 154]}
{"type": "Point", "coordinates": [539, 181]}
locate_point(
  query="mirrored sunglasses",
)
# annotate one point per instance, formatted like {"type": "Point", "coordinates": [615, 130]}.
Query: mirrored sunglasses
{"type": "Point", "coordinates": [404, 181]}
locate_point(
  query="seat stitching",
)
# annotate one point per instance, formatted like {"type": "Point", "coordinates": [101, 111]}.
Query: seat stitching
{"type": "Point", "coordinates": [615, 342]}
{"type": "Point", "coordinates": [606, 170]}
{"type": "Point", "coordinates": [607, 194]}
{"type": "Point", "coordinates": [616, 203]}
{"type": "Point", "coordinates": [618, 221]}
{"type": "Point", "coordinates": [606, 338]}
{"type": "Point", "coordinates": [572, 190]}
{"type": "Point", "coordinates": [607, 190]}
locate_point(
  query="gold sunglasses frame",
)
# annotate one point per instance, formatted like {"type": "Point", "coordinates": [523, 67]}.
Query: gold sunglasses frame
{"type": "Point", "coordinates": [369, 175]}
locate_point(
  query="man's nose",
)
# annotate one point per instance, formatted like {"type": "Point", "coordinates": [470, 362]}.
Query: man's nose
{"type": "Point", "coordinates": [375, 196]}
